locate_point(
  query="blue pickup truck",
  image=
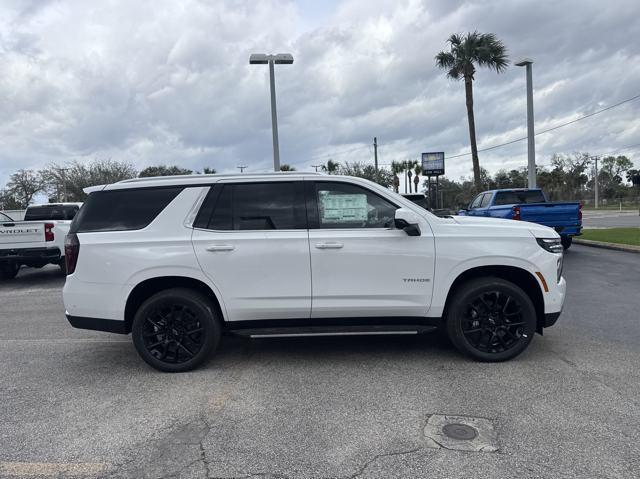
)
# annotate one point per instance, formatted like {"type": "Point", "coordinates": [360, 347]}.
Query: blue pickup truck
{"type": "Point", "coordinates": [529, 205]}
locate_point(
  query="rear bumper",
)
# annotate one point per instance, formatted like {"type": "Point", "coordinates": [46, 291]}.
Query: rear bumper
{"type": "Point", "coordinates": [98, 324]}
{"type": "Point", "coordinates": [27, 255]}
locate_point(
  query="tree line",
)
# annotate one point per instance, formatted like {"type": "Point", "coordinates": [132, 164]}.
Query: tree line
{"type": "Point", "coordinates": [65, 182]}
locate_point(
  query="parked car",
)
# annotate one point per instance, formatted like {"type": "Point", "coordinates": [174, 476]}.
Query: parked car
{"type": "Point", "coordinates": [418, 198]}
{"type": "Point", "coordinates": [529, 205]}
{"type": "Point", "coordinates": [177, 261]}
{"type": "Point", "coordinates": [36, 241]}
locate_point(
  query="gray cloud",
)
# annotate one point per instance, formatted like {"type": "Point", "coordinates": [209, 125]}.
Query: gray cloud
{"type": "Point", "coordinates": [166, 81]}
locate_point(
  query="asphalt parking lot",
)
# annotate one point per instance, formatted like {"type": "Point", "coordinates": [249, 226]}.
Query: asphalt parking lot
{"type": "Point", "coordinates": [610, 219]}
{"type": "Point", "coordinates": [82, 404]}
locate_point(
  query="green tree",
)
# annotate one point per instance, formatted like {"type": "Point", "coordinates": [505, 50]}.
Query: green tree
{"type": "Point", "coordinates": [208, 171]}
{"type": "Point", "coordinates": [8, 201]}
{"type": "Point", "coordinates": [286, 167]}
{"type": "Point", "coordinates": [66, 182]}
{"type": "Point", "coordinates": [332, 167]}
{"type": "Point", "coordinates": [23, 185]}
{"type": "Point", "coordinates": [396, 169]}
{"type": "Point", "coordinates": [417, 170]}
{"type": "Point", "coordinates": [465, 53]}
{"type": "Point", "coordinates": [382, 176]}
{"type": "Point", "coordinates": [163, 170]}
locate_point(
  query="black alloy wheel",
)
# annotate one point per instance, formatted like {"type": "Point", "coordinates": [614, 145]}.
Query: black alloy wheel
{"type": "Point", "coordinates": [175, 330]}
{"type": "Point", "coordinates": [491, 319]}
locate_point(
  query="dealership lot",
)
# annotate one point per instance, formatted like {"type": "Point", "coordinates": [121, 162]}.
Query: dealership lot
{"type": "Point", "coordinates": [82, 404]}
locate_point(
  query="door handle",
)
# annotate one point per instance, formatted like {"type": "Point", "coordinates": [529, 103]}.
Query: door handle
{"type": "Point", "coordinates": [329, 245]}
{"type": "Point", "coordinates": [220, 247]}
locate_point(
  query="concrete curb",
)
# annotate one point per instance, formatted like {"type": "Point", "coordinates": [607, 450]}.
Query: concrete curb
{"type": "Point", "coordinates": [615, 246]}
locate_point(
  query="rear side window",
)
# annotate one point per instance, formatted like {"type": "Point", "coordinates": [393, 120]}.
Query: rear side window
{"type": "Point", "coordinates": [51, 212]}
{"type": "Point", "coordinates": [514, 197]}
{"type": "Point", "coordinates": [122, 210]}
{"type": "Point", "coordinates": [255, 206]}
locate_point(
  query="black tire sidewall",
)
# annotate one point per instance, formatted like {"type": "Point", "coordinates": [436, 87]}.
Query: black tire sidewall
{"type": "Point", "coordinates": [472, 289]}
{"type": "Point", "coordinates": [206, 315]}
{"type": "Point", "coordinates": [566, 241]}
{"type": "Point", "coordinates": [9, 271]}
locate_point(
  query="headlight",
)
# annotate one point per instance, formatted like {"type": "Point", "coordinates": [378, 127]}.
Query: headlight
{"type": "Point", "coordinates": [552, 245]}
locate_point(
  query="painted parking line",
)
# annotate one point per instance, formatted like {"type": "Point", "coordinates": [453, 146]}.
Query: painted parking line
{"type": "Point", "coordinates": [52, 469]}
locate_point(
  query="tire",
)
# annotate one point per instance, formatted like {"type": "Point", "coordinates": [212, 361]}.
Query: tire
{"type": "Point", "coordinates": [176, 330]}
{"type": "Point", "coordinates": [566, 241]}
{"type": "Point", "coordinates": [490, 319]}
{"type": "Point", "coordinates": [9, 271]}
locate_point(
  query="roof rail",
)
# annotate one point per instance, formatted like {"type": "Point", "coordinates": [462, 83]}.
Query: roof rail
{"type": "Point", "coordinates": [173, 177]}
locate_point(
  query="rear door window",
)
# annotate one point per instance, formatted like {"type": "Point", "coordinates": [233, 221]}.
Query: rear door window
{"type": "Point", "coordinates": [486, 199]}
{"type": "Point", "coordinates": [255, 206]}
{"type": "Point", "coordinates": [122, 210]}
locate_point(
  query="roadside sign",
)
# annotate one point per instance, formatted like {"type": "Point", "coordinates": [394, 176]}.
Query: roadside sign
{"type": "Point", "coordinates": [433, 163]}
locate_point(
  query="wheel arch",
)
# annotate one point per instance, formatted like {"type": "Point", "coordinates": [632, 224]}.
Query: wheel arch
{"type": "Point", "coordinates": [151, 286]}
{"type": "Point", "coordinates": [519, 276]}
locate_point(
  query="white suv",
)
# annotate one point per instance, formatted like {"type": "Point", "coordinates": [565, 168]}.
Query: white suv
{"type": "Point", "coordinates": [177, 261]}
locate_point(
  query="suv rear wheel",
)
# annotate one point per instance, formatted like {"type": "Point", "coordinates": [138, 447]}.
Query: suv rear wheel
{"type": "Point", "coordinates": [491, 319]}
{"type": "Point", "coordinates": [176, 329]}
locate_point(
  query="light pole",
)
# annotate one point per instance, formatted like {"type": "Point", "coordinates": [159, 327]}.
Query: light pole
{"type": "Point", "coordinates": [279, 59]}
{"type": "Point", "coordinates": [531, 146]}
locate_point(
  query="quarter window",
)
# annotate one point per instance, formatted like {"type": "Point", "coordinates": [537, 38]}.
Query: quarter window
{"type": "Point", "coordinates": [476, 202]}
{"type": "Point", "coordinates": [343, 205]}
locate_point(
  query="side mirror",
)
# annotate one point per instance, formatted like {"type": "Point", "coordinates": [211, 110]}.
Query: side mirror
{"type": "Point", "coordinates": [407, 221]}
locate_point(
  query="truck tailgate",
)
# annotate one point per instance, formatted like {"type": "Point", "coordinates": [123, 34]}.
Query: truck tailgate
{"type": "Point", "coordinates": [20, 232]}
{"type": "Point", "coordinates": [554, 215]}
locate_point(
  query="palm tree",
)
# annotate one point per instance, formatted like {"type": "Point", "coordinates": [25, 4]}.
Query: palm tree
{"type": "Point", "coordinates": [483, 50]}
{"type": "Point", "coordinates": [408, 165]}
{"type": "Point", "coordinates": [332, 167]}
{"type": "Point", "coordinates": [286, 167]}
{"type": "Point", "coordinates": [396, 168]}
{"type": "Point", "coordinates": [418, 171]}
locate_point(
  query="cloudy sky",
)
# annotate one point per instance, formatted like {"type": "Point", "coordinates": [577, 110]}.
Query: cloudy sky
{"type": "Point", "coordinates": [156, 81]}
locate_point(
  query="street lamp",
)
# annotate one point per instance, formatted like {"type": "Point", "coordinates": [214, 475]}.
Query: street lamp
{"type": "Point", "coordinates": [531, 149]}
{"type": "Point", "coordinates": [279, 59]}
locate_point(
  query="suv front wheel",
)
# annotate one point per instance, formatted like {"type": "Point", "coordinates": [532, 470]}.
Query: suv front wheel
{"type": "Point", "coordinates": [491, 319]}
{"type": "Point", "coordinates": [175, 330]}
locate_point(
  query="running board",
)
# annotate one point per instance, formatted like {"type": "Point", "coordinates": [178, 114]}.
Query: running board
{"type": "Point", "coordinates": [295, 332]}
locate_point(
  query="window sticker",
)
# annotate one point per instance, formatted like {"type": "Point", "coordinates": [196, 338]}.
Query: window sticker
{"type": "Point", "coordinates": [340, 208]}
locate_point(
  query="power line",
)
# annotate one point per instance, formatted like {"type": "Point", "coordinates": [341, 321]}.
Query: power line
{"type": "Point", "coordinates": [552, 128]}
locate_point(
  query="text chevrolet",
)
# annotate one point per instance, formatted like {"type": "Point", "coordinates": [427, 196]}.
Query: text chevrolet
{"type": "Point", "coordinates": [177, 261]}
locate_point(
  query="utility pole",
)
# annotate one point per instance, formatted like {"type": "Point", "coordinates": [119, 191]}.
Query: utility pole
{"type": "Point", "coordinates": [241, 168]}
{"type": "Point", "coordinates": [531, 144]}
{"type": "Point", "coordinates": [316, 167]}
{"type": "Point", "coordinates": [375, 151]}
{"type": "Point", "coordinates": [596, 181]}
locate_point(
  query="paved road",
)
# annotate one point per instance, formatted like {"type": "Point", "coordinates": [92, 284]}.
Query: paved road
{"type": "Point", "coordinates": [610, 219]}
{"type": "Point", "coordinates": [81, 404]}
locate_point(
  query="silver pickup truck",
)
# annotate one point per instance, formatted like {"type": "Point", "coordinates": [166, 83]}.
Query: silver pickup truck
{"type": "Point", "coordinates": [37, 240]}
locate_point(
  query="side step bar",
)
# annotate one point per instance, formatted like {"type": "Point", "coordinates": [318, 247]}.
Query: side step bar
{"type": "Point", "coordinates": [293, 332]}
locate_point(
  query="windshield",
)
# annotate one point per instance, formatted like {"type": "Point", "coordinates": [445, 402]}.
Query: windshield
{"type": "Point", "coordinates": [514, 197]}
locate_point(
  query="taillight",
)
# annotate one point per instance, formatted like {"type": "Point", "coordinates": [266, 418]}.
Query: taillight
{"type": "Point", "coordinates": [71, 252]}
{"type": "Point", "coordinates": [580, 213]}
{"type": "Point", "coordinates": [48, 232]}
{"type": "Point", "coordinates": [516, 213]}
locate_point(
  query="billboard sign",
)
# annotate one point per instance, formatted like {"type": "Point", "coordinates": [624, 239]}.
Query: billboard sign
{"type": "Point", "coordinates": [433, 163]}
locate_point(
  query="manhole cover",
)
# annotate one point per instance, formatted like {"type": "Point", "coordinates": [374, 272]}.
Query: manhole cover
{"type": "Point", "coordinates": [462, 432]}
